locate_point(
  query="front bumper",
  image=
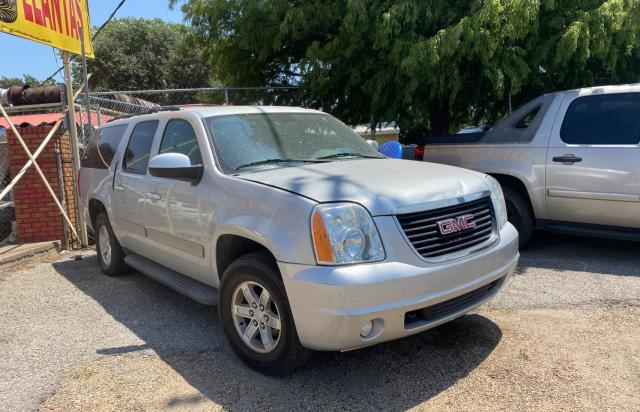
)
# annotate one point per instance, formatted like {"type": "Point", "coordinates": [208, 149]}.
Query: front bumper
{"type": "Point", "coordinates": [330, 305]}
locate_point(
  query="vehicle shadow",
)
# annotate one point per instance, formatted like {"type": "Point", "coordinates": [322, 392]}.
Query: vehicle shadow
{"type": "Point", "coordinates": [187, 336]}
{"type": "Point", "coordinates": [580, 254]}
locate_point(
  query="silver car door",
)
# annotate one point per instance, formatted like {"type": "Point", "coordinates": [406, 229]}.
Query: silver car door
{"type": "Point", "coordinates": [179, 219]}
{"type": "Point", "coordinates": [593, 165]}
{"type": "Point", "coordinates": [130, 187]}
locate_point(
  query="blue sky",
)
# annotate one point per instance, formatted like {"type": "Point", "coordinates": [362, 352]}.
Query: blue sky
{"type": "Point", "coordinates": [21, 56]}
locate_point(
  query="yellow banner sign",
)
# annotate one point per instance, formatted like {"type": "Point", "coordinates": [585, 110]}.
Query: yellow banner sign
{"type": "Point", "coordinates": [57, 23]}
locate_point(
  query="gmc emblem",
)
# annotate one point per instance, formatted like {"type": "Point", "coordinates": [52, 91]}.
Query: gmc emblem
{"type": "Point", "coordinates": [456, 224]}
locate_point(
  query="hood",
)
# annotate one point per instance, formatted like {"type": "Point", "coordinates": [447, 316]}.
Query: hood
{"type": "Point", "coordinates": [380, 185]}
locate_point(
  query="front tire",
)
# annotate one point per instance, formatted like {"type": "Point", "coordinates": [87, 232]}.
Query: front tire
{"type": "Point", "coordinates": [256, 318]}
{"type": "Point", "coordinates": [110, 253]}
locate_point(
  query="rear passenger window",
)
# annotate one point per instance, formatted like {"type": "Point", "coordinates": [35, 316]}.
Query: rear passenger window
{"type": "Point", "coordinates": [136, 157]}
{"type": "Point", "coordinates": [605, 119]}
{"type": "Point", "coordinates": [528, 118]}
{"type": "Point", "coordinates": [102, 147]}
{"type": "Point", "coordinates": [179, 137]}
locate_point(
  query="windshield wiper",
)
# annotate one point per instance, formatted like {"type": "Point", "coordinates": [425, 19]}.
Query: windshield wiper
{"type": "Point", "coordinates": [275, 161]}
{"type": "Point", "coordinates": [348, 154]}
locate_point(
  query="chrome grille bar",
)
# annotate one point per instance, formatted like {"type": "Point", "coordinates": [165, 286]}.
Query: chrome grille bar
{"type": "Point", "coordinates": [423, 229]}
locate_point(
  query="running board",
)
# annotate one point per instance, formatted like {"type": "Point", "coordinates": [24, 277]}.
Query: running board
{"type": "Point", "coordinates": [191, 288]}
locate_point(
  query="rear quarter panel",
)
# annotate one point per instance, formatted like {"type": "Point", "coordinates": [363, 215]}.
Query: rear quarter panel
{"type": "Point", "coordinates": [524, 162]}
{"type": "Point", "coordinates": [94, 184]}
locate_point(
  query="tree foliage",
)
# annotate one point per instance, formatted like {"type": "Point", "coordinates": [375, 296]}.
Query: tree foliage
{"type": "Point", "coordinates": [436, 63]}
{"type": "Point", "coordinates": [6, 82]}
{"type": "Point", "coordinates": [137, 54]}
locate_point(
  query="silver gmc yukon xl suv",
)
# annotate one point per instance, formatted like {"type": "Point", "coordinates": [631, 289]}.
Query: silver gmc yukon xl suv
{"type": "Point", "coordinates": [304, 236]}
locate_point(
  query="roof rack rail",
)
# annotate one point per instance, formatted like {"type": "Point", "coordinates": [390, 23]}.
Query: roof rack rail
{"type": "Point", "coordinates": [150, 110]}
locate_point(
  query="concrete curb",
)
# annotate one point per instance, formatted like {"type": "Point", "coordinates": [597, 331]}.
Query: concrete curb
{"type": "Point", "coordinates": [12, 255]}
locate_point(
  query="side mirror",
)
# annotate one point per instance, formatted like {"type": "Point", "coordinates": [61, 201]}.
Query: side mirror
{"type": "Point", "coordinates": [175, 166]}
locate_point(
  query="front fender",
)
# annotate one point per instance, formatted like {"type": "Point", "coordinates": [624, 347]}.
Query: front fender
{"type": "Point", "coordinates": [273, 218]}
{"type": "Point", "coordinates": [291, 243]}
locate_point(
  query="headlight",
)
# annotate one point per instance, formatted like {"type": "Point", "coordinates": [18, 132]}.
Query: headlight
{"type": "Point", "coordinates": [497, 197]}
{"type": "Point", "coordinates": [344, 233]}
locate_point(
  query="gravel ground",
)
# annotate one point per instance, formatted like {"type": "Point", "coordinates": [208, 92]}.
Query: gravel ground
{"type": "Point", "coordinates": [563, 335]}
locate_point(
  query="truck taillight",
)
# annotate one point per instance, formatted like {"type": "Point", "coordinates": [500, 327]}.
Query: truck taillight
{"type": "Point", "coordinates": [419, 153]}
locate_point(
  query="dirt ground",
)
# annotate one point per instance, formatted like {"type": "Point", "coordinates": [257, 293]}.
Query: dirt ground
{"type": "Point", "coordinates": [544, 360]}
{"type": "Point", "coordinates": [563, 335]}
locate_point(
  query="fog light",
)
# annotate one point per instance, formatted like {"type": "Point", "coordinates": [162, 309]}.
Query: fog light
{"type": "Point", "coordinates": [366, 329]}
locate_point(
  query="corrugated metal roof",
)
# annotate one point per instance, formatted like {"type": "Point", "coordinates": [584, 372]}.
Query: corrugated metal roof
{"type": "Point", "coordinates": [30, 120]}
{"type": "Point", "coordinates": [27, 120]}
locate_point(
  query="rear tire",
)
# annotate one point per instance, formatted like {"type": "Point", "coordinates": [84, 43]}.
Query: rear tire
{"type": "Point", "coordinates": [271, 347]}
{"type": "Point", "coordinates": [520, 214]}
{"type": "Point", "coordinates": [110, 253]}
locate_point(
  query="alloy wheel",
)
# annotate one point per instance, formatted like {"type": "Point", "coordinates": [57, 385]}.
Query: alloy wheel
{"type": "Point", "coordinates": [105, 245]}
{"type": "Point", "coordinates": [256, 317]}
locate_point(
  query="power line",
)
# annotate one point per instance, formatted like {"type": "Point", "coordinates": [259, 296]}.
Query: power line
{"type": "Point", "coordinates": [55, 57]}
{"type": "Point", "coordinates": [94, 37]}
{"type": "Point", "coordinates": [109, 19]}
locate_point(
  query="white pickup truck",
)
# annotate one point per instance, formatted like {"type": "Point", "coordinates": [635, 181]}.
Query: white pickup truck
{"type": "Point", "coordinates": [567, 161]}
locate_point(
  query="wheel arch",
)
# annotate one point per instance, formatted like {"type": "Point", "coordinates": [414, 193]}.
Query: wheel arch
{"type": "Point", "coordinates": [231, 246]}
{"type": "Point", "coordinates": [516, 184]}
{"type": "Point", "coordinates": [95, 206]}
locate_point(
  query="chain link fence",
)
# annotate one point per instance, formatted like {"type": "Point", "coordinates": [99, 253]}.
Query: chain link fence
{"type": "Point", "coordinates": [7, 209]}
{"type": "Point", "coordinates": [107, 105]}
{"type": "Point", "coordinates": [281, 96]}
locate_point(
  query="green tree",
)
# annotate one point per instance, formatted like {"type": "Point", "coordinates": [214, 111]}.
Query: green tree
{"type": "Point", "coordinates": [436, 64]}
{"type": "Point", "coordinates": [6, 82]}
{"type": "Point", "coordinates": [138, 54]}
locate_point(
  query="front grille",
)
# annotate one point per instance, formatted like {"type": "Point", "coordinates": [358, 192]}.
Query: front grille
{"type": "Point", "coordinates": [417, 318]}
{"type": "Point", "coordinates": [424, 232]}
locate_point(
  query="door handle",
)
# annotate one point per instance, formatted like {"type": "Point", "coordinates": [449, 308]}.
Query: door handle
{"type": "Point", "coordinates": [153, 196]}
{"type": "Point", "coordinates": [118, 188]}
{"type": "Point", "coordinates": [569, 159]}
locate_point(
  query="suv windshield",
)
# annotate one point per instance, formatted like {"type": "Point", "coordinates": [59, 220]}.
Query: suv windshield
{"type": "Point", "coordinates": [246, 141]}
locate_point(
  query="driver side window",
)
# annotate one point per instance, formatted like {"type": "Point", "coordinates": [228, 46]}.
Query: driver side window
{"type": "Point", "coordinates": [179, 137]}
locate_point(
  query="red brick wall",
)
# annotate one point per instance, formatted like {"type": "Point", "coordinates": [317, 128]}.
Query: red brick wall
{"type": "Point", "coordinates": [38, 218]}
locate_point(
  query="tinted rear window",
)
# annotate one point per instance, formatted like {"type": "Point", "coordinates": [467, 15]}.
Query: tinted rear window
{"type": "Point", "coordinates": [605, 119]}
{"type": "Point", "coordinates": [102, 147]}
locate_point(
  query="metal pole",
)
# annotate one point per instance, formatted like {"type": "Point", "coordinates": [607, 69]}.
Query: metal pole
{"type": "Point", "coordinates": [82, 136]}
{"type": "Point", "coordinates": [226, 96]}
{"type": "Point", "coordinates": [85, 76]}
{"type": "Point", "coordinates": [75, 152]}
{"type": "Point", "coordinates": [63, 200]}
{"type": "Point", "coordinates": [373, 128]}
